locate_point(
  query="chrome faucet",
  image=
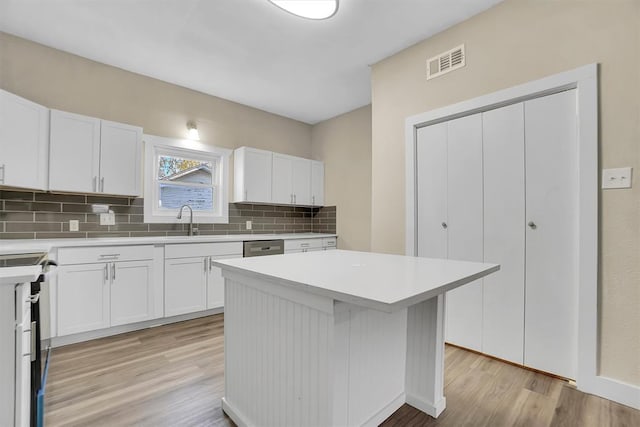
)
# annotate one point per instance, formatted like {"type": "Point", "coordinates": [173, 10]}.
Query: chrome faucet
{"type": "Point", "coordinates": [191, 229]}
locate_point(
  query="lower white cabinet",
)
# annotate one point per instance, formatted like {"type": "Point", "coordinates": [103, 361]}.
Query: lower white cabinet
{"type": "Point", "coordinates": [114, 291]}
{"type": "Point", "coordinates": [192, 282]}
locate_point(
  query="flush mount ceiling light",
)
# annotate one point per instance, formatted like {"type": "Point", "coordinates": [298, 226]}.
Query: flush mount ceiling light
{"type": "Point", "coordinates": [310, 9]}
{"type": "Point", "coordinates": [192, 131]}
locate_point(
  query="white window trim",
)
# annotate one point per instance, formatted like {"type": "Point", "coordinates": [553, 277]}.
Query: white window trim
{"type": "Point", "coordinates": [154, 145]}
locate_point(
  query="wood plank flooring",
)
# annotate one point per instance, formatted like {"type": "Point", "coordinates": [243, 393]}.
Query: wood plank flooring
{"type": "Point", "coordinates": [174, 376]}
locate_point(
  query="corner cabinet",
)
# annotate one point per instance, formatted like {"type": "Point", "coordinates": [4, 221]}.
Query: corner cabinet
{"type": "Point", "coordinates": [24, 140]}
{"type": "Point", "coordinates": [89, 155]}
{"type": "Point", "coordinates": [265, 177]}
{"type": "Point", "coordinates": [102, 287]}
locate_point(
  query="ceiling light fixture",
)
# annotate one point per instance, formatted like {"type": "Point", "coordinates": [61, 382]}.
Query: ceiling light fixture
{"type": "Point", "coordinates": [192, 131]}
{"type": "Point", "coordinates": [310, 9]}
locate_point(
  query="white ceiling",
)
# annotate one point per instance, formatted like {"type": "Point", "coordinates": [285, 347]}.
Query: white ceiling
{"type": "Point", "coordinates": [248, 51]}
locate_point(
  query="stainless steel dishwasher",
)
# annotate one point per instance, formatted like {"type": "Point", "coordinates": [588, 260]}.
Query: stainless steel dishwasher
{"type": "Point", "coordinates": [263, 247]}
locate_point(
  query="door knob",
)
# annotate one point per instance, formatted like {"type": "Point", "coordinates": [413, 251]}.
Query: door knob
{"type": "Point", "coordinates": [444, 225]}
{"type": "Point", "coordinates": [532, 225]}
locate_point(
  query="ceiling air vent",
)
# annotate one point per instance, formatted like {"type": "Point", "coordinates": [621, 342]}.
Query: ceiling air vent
{"type": "Point", "coordinates": [445, 62]}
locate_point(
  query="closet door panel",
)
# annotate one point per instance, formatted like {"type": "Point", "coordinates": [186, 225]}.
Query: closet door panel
{"type": "Point", "coordinates": [504, 232]}
{"type": "Point", "coordinates": [431, 187]}
{"type": "Point", "coordinates": [465, 240]}
{"type": "Point", "coordinates": [551, 234]}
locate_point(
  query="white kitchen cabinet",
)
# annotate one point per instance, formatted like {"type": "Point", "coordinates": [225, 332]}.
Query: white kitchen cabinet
{"type": "Point", "coordinates": [24, 142]}
{"type": "Point", "coordinates": [185, 289]}
{"type": "Point", "coordinates": [132, 292]}
{"type": "Point", "coordinates": [317, 183]}
{"type": "Point", "coordinates": [329, 243]}
{"type": "Point", "coordinates": [105, 286]}
{"type": "Point", "coordinates": [291, 180]}
{"type": "Point", "coordinates": [83, 298]}
{"type": "Point", "coordinates": [89, 155]}
{"type": "Point", "coordinates": [252, 175]}
{"type": "Point", "coordinates": [120, 158]}
{"type": "Point", "coordinates": [301, 181]}
{"type": "Point", "coordinates": [192, 282]}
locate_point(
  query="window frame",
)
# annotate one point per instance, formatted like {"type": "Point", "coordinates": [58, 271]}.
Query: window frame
{"type": "Point", "coordinates": [154, 147]}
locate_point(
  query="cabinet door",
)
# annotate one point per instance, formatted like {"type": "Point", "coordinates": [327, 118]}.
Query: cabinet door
{"type": "Point", "coordinates": [185, 286]}
{"type": "Point", "coordinates": [431, 190]}
{"type": "Point", "coordinates": [120, 157]}
{"type": "Point", "coordinates": [317, 183]}
{"type": "Point", "coordinates": [24, 139]}
{"type": "Point", "coordinates": [252, 174]}
{"type": "Point", "coordinates": [74, 152]}
{"type": "Point", "coordinates": [83, 298]}
{"type": "Point", "coordinates": [464, 196]}
{"type": "Point", "coordinates": [503, 298]}
{"type": "Point", "coordinates": [551, 200]}
{"type": "Point", "coordinates": [282, 191]}
{"type": "Point", "coordinates": [215, 283]}
{"type": "Point", "coordinates": [301, 181]}
{"type": "Point", "coordinates": [132, 292]}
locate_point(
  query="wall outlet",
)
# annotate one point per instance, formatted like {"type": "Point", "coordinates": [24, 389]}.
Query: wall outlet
{"type": "Point", "coordinates": [108, 218]}
{"type": "Point", "coordinates": [74, 225]}
{"type": "Point", "coordinates": [249, 225]}
{"type": "Point", "coordinates": [616, 178]}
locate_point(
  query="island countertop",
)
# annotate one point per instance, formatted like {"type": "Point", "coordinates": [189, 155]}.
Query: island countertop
{"type": "Point", "coordinates": [378, 281]}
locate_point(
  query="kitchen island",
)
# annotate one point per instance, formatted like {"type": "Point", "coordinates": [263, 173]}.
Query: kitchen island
{"type": "Point", "coordinates": [336, 337]}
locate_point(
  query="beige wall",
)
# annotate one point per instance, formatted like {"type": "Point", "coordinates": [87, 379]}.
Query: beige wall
{"type": "Point", "coordinates": [512, 43]}
{"type": "Point", "coordinates": [68, 82]}
{"type": "Point", "coordinates": [344, 144]}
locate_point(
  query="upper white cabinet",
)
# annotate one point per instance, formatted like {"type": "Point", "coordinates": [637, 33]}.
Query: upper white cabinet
{"type": "Point", "coordinates": [266, 177]}
{"type": "Point", "coordinates": [291, 182]}
{"type": "Point", "coordinates": [90, 155]}
{"type": "Point", "coordinates": [252, 175]}
{"type": "Point", "coordinates": [317, 183]}
{"type": "Point", "coordinates": [24, 138]}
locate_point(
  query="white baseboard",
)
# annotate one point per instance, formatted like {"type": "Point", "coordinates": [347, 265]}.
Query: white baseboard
{"type": "Point", "coordinates": [235, 416]}
{"type": "Point", "coordinates": [608, 388]}
{"type": "Point", "coordinates": [430, 408]}
{"type": "Point", "coordinates": [101, 333]}
{"type": "Point", "coordinates": [385, 412]}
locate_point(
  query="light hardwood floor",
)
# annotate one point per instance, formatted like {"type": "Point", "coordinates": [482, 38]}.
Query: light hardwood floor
{"type": "Point", "coordinates": [174, 376]}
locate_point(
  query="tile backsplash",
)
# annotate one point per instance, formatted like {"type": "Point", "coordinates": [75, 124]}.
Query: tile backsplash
{"type": "Point", "coordinates": [37, 215]}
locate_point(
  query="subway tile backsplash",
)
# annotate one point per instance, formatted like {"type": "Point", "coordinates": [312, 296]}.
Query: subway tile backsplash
{"type": "Point", "coordinates": [36, 215]}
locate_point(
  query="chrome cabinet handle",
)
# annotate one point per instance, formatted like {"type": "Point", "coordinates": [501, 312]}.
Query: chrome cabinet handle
{"type": "Point", "coordinates": [532, 225]}
{"type": "Point", "coordinates": [246, 197]}
{"type": "Point", "coordinates": [444, 225]}
{"type": "Point", "coordinates": [313, 200]}
{"type": "Point", "coordinates": [2, 168]}
{"type": "Point", "coordinates": [294, 199]}
{"type": "Point", "coordinates": [210, 263]}
{"type": "Point", "coordinates": [106, 273]}
{"type": "Point", "coordinates": [102, 184]}
{"type": "Point", "coordinates": [113, 271]}
{"type": "Point", "coordinates": [205, 265]}
{"type": "Point", "coordinates": [95, 183]}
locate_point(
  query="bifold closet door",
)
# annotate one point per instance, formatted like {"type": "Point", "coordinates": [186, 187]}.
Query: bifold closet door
{"type": "Point", "coordinates": [431, 189]}
{"type": "Point", "coordinates": [464, 227]}
{"type": "Point", "coordinates": [551, 234]}
{"type": "Point", "coordinates": [504, 232]}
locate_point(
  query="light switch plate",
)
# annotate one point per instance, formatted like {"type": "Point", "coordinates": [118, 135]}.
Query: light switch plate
{"type": "Point", "coordinates": [74, 225]}
{"type": "Point", "coordinates": [616, 178]}
{"type": "Point", "coordinates": [249, 225]}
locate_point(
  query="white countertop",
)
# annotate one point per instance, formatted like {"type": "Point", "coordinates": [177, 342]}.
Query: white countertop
{"type": "Point", "coordinates": [379, 281]}
{"type": "Point", "coordinates": [11, 246]}
{"type": "Point", "coordinates": [15, 275]}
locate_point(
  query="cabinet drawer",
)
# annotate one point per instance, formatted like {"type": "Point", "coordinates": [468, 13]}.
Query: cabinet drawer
{"type": "Point", "coordinates": [299, 244]}
{"type": "Point", "coordinates": [329, 242]}
{"type": "Point", "coordinates": [68, 256]}
{"type": "Point", "coordinates": [188, 250]}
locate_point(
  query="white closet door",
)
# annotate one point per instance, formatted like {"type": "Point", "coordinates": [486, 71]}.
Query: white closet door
{"type": "Point", "coordinates": [431, 187]}
{"type": "Point", "coordinates": [504, 233]}
{"type": "Point", "coordinates": [464, 194]}
{"type": "Point", "coordinates": [551, 234]}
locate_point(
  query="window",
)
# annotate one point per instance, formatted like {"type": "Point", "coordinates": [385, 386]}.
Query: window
{"type": "Point", "coordinates": [181, 173]}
